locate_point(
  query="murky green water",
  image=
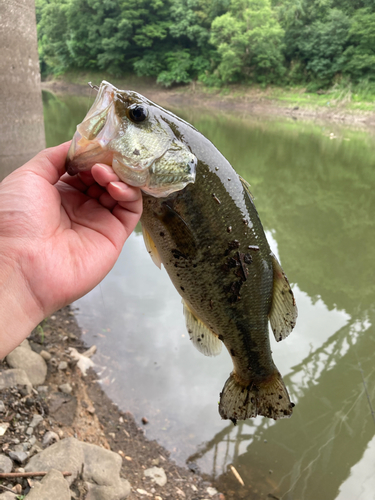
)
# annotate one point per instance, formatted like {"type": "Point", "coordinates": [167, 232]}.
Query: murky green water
{"type": "Point", "coordinates": [314, 188]}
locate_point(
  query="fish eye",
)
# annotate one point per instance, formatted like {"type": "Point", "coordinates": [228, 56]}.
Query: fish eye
{"type": "Point", "coordinates": [137, 113]}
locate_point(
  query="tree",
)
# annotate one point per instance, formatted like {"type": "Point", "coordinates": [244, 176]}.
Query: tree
{"type": "Point", "coordinates": [249, 41]}
{"type": "Point", "coordinates": [52, 22]}
{"type": "Point", "coordinates": [322, 44]}
{"type": "Point", "coordinates": [360, 56]}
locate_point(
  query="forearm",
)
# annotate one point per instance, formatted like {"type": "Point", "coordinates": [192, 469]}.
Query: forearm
{"type": "Point", "coordinates": [19, 312]}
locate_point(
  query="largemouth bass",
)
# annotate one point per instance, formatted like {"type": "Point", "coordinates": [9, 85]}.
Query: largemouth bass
{"type": "Point", "coordinates": [200, 222]}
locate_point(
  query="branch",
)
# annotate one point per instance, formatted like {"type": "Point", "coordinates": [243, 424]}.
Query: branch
{"type": "Point", "coordinates": [9, 475]}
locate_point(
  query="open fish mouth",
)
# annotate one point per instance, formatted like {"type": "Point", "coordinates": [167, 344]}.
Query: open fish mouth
{"type": "Point", "coordinates": [83, 155]}
{"type": "Point", "coordinates": [126, 131]}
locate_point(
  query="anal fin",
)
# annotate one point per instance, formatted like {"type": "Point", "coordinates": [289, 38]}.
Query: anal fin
{"type": "Point", "coordinates": [151, 247]}
{"type": "Point", "coordinates": [202, 337]}
{"type": "Point", "coordinates": [283, 313]}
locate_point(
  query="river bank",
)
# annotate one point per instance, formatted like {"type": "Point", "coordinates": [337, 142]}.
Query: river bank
{"type": "Point", "coordinates": [333, 107]}
{"type": "Point", "coordinates": [50, 408]}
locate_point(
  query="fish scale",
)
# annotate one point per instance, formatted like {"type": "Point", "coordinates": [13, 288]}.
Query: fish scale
{"type": "Point", "coordinates": [200, 222]}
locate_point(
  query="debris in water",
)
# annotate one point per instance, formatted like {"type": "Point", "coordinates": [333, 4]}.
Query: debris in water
{"type": "Point", "coordinates": [237, 476]}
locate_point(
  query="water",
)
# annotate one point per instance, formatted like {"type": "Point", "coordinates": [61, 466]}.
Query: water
{"type": "Point", "coordinates": [314, 190]}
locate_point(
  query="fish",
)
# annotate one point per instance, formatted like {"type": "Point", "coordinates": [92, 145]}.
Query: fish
{"type": "Point", "coordinates": [199, 220]}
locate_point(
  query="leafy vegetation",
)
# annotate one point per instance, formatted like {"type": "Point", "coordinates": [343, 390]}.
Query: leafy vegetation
{"type": "Point", "coordinates": [316, 43]}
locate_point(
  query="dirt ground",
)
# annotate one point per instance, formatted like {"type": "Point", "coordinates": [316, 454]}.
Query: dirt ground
{"type": "Point", "coordinates": [254, 102]}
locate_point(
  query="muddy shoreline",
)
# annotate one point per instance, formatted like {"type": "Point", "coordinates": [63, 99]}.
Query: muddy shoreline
{"type": "Point", "coordinates": [254, 103]}
{"type": "Point", "coordinates": [87, 414]}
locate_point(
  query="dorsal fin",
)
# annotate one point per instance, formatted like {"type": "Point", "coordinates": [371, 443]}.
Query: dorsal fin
{"type": "Point", "coordinates": [246, 185]}
{"type": "Point", "coordinates": [151, 247]}
{"type": "Point", "coordinates": [203, 339]}
{"type": "Point", "coordinates": [283, 312]}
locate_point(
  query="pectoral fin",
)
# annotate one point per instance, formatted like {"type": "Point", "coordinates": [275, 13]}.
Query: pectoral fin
{"type": "Point", "coordinates": [283, 312]}
{"type": "Point", "coordinates": [151, 247]}
{"type": "Point", "coordinates": [246, 185]}
{"type": "Point", "coordinates": [203, 339]}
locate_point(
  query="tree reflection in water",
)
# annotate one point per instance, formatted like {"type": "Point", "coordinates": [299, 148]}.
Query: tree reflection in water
{"type": "Point", "coordinates": [316, 199]}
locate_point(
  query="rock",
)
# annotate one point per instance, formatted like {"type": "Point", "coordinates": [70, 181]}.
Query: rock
{"type": "Point", "coordinates": [63, 365]}
{"type": "Point", "coordinates": [7, 496]}
{"type": "Point", "coordinates": [6, 465]}
{"type": "Point", "coordinates": [26, 344]}
{"type": "Point", "coordinates": [28, 360]}
{"type": "Point", "coordinates": [212, 491]}
{"type": "Point", "coordinates": [21, 447]}
{"type": "Point", "coordinates": [19, 456]}
{"type": "Point", "coordinates": [45, 355]}
{"type": "Point", "coordinates": [65, 388]}
{"type": "Point", "coordinates": [101, 468]}
{"type": "Point", "coordinates": [11, 378]}
{"type": "Point", "coordinates": [36, 420]}
{"type": "Point", "coordinates": [157, 474]}
{"type": "Point", "coordinates": [42, 389]}
{"type": "Point", "coordinates": [3, 428]}
{"type": "Point", "coordinates": [66, 455]}
{"type": "Point", "coordinates": [2, 407]}
{"type": "Point", "coordinates": [17, 488]}
{"type": "Point", "coordinates": [53, 485]}
{"type": "Point", "coordinates": [117, 491]}
{"type": "Point", "coordinates": [101, 465]}
{"type": "Point", "coordinates": [49, 438]}
{"type": "Point", "coordinates": [63, 407]}
{"type": "Point", "coordinates": [32, 440]}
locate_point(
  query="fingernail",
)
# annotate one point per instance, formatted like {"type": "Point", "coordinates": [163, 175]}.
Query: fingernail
{"type": "Point", "coordinates": [119, 184]}
{"type": "Point", "coordinates": [106, 167]}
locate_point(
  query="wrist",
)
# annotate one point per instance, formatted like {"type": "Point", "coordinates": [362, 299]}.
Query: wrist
{"type": "Point", "coordinates": [19, 311]}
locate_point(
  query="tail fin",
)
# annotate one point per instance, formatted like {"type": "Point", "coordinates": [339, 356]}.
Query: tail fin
{"type": "Point", "coordinates": [269, 398]}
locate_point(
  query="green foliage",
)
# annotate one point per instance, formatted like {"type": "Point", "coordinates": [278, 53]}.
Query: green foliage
{"type": "Point", "coordinates": [249, 40]}
{"type": "Point", "coordinates": [322, 44]}
{"type": "Point", "coordinates": [178, 66]}
{"type": "Point", "coordinates": [360, 55]}
{"type": "Point", "coordinates": [311, 42]}
{"type": "Point", "coordinates": [52, 34]}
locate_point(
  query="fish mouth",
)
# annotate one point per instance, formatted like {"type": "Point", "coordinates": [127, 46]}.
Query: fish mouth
{"type": "Point", "coordinates": [83, 155]}
{"type": "Point", "coordinates": [93, 135]}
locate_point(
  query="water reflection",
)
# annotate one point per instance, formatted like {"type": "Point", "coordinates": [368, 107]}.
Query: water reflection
{"type": "Point", "coordinates": [315, 196]}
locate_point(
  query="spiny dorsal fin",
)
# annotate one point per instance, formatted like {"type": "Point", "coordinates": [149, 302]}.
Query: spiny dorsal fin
{"type": "Point", "coordinates": [246, 185]}
{"type": "Point", "coordinates": [283, 312]}
{"type": "Point", "coordinates": [203, 339]}
{"type": "Point", "coordinates": [151, 247]}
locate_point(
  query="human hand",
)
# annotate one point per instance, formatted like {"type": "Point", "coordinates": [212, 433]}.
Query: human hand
{"type": "Point", "coordinates": [59, 237]}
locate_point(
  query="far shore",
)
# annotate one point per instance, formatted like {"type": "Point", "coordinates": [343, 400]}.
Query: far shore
{"type": "Point", "coordinates": [253, 101]}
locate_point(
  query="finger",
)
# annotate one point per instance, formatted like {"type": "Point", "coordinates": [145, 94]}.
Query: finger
{"type": "Point", "coordinates": [79, 181]}
{"type": "Point", "coordinates": [95, 191]}
{"type": "Point", "coordinates": [49, 163]}
{"type": "Point", "coordinates": [122, 192]}
{"type": "Point", "coordinates": [107, 201]}
{"type": "Point", "coordinates": [128, 214]}
{"type": "Point", "coordinates": [103, 174]}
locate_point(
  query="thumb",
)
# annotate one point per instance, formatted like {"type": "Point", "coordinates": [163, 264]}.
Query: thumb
{"type": "Point", "coordinates": [49, 163]}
